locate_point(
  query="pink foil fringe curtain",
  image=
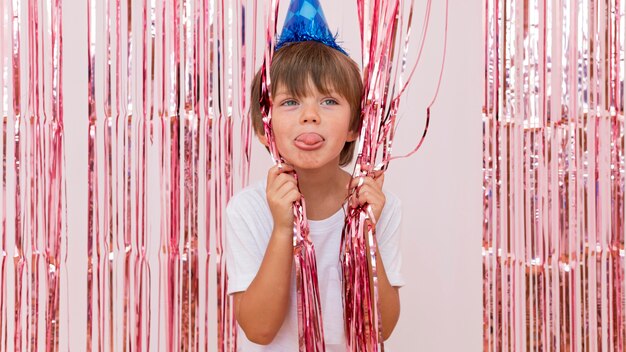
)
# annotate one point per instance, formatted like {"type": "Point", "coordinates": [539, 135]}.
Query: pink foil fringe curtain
{"type": "Point", "coordinates": [553, 124]}
{"type": "Point", "coordinates": [167, 96]}
{"type": "Point", "coordinates": [385, 35]}
{"type": "Point", "coordinates": [162, 77]}
{"type": "Point", "coordinates": [33, 183]}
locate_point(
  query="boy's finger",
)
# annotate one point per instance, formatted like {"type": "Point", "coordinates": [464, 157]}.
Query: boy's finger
{"type": "Point", "coordinates": [363, 189]}
{"type": "Point", "coordinates": [357, 181]}
{"type": "Point", "coordinates": [276, 170]}
{"type": "Point", "coordinates": [281, 180]}
{"type": "Point", "coordinates": [272, 173]}
{"type": "Point", "coordinates": [370, 194]}
{"type": "Point", "coordinates": [361, 181]}
{"type": "Point", "coordinates": [380, 179]}
{"type": "Point", "coordinates": [284, 167]}
{"type": "Point", "coordinates": [286, 176]}
{"type": "Point", "coordinates": [286, 188]}
{"type": "Point", "coordinates": [292, 196]}
{"type": "Point", "coordinates": [377, 173]}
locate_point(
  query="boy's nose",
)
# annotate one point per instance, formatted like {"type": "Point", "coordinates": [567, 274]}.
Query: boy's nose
{"type": "Point", "coordinates": [310, 115]}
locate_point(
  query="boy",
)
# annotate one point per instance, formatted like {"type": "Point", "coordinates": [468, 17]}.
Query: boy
{"type": "Point", "coordinates": [316, 94]}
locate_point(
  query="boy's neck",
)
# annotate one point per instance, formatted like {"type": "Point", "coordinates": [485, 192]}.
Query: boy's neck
{"type": "Point", "coordinates": [324, 190]}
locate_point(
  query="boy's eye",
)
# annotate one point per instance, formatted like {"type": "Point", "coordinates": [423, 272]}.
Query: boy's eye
{"type": "Point", "coordinates": [330, 102]}
{"type": "Point", "coordinates": [289, 102]}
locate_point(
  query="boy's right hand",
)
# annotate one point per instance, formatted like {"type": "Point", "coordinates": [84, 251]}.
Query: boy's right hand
{"type": "Point", "coordinates": [282, 191]}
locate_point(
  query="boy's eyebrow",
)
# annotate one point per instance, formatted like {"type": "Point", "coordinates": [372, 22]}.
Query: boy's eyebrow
{"type": "Point", "coordinates": [281, 94]}
{"type": "Point", "coordinates": [281, 90]}
{"type": "Point", "coordinates": [284, 91]}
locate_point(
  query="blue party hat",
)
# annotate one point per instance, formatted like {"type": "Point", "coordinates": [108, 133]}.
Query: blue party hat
{"type": "Point", "coordinates": [305, 21]}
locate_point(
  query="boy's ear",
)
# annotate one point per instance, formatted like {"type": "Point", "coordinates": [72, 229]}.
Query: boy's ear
{"type": "Point", "coordinates": [263, 139]}
{"type": "Point", "coordinates": [352, 136]}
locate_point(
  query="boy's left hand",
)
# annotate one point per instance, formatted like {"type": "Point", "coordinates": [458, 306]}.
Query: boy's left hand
{"type": "Point", "coordinates": [370, 192]}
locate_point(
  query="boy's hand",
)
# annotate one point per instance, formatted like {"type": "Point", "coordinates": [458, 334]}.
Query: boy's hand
{"type": "Point", "coordinates": [282, 191]}
{"type": "Point", "coordinates": [370, 191]}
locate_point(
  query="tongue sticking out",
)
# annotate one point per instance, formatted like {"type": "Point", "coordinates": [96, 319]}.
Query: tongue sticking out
{"type": "Point", "coordinates": [310, 138]}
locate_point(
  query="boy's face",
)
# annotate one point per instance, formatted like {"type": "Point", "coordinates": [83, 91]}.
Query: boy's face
{"type": "Point", "coordinates": [310, 131]}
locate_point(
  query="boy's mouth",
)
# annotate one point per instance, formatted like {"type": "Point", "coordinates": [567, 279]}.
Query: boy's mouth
{"type": "Point", "coordinates": [309, 141]}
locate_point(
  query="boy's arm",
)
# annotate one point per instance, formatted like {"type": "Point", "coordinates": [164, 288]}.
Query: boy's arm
{"type": "Point", "coordinates": [369, 191]}
{"type": "Point", "coordinates": [261, 309]}
{"type": "Point", "coordinates": [388, 296]}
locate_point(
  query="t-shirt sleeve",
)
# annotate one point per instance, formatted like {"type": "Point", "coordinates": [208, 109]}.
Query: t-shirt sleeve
{"type": "Point", "coordinates": [243, 255]}
{"type": "Point", "coordinates": [388, 232]}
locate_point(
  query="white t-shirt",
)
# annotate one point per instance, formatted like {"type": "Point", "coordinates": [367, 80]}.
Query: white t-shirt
{"type": "Point", "coordinates": [249, 226]}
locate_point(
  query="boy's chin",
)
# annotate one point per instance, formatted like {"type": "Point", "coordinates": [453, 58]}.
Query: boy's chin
{"type": "Point", "coordinates": [307, 165]}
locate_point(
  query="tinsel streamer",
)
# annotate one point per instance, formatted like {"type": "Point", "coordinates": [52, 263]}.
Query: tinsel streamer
{"type": "Point", "coordinates": [110, 228]}
{"type": "Point", "coordinates": [33, 137]}
{"type": "Point", "coordinates": [127, 211]}
{"type": "Point", "coordinates": [165, 309]}
{"type": "Point", "coordinates": [147, 136]}
{"type": "Point", "coordinates": [141, 265]}
{"type": "Point", "coordinates": [56, 198]}
{"type": "Point", "coordinates": [310, 325]}
{"type": "Point", "coordinates": [553, 164]}
{"type": "Point", "coordinates": [117, 148]}
{"type": "Point", "coordinates": [93, 228]}
{"type": "Point", "coordinates": [19, 257]}
{"type": "Point", "coordinates": [246, 68]}
{"type": "Point", "coordinates": [165, 219]}
{"type": "Point", "coordinates": [153, 66]}
{"type": "Point", "coordinates": [190, 293]}
{"type": "Point", "coordinates": [362, 319]}
{"type": "Point", "coordinates": [209, 119]}
{"type": "Point", "coordinates": [163, 325]}
{"type": "Point", "coordinates": [173, 253]}
{"type": "Point", "coordinates": [218, 194]}
{"type": "Point", "coordinates": [395, 101]}
{"type": "Point", "coordinates": [223, 168]}
{"type": "Point", "coordinates": [385, 62]}
{"type": "Point", "coordinates": [4, 92]}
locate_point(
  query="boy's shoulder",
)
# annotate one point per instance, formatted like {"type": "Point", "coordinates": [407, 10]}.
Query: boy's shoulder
{"type": "Point", "coordinates": [392, 202]}
{"type": "Point", "coordinates": [251, 197]}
